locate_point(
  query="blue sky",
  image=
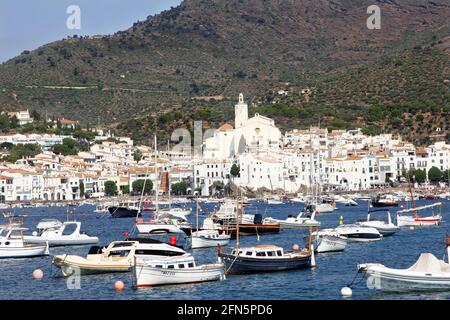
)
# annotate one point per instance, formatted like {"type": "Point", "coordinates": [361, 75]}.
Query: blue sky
{"type": "Point", "coordinates": [28, 24]}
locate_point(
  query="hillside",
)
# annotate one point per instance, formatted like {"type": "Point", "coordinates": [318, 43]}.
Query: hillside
{"type": "Point", "coordinates": [216, 47]}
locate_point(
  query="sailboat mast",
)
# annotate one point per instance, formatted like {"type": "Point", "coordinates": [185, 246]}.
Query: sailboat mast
{"type": "Point", "coordinates": [196, 211]}
{"type": "Point", "coordinates": [237, 228]}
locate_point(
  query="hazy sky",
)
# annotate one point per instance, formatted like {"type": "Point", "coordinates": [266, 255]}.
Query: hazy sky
{"type": "Point", "coordinates": [28, 24]}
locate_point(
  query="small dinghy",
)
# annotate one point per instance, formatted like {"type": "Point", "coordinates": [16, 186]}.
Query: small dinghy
{"type": "Point", "coordinates": [12, 244]}
{"type": "Point", "coordinates": [428, 273]}
{"type": "Point", "coordinates": [60, 234]}
{"type": "Point", "coordinates": [386, 228]}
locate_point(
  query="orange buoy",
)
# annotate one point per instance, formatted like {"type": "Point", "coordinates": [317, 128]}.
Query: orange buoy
{"type": "Point", "coordinates": [119, 285]}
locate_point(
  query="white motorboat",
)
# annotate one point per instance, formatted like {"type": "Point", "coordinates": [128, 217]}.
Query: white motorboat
{"type": "Point", "coordinates": [386, 228]}
{"type": "Point", "coordinates": [428, 273]}
{"type": "Point", "coordinates": [12, 244]}
{"type": "Point", "coordinates": [118, 256]}
{"type": "Point", "coordinates": [354, 232]}
{"type": "Point", "coordinates": [177, 212]}
{"type": "Point", "coordinates": [65, 234]}
{"type": "Point", "coordinates": [328, 241]}
{"type": "Point", "coordinates": [175, 270]}
{"type": "Point", "coordinates": [297, 200]}
{"type": "Point", "coordinates": [209, 238]}
{"type": "Point", "coordinates": [303, 219]}
{"type": "Point", "coordinates": [319, 207]}
{"type": "Point", "coordinates": [416, 219]}
{"type": "Point", "coordinates": [163, 223]}
{"type": "Point", "coordinates": [273, 200]}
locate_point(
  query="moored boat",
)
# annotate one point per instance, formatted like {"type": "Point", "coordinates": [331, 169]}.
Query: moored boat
{"type": "Point", "coordinates": [12, 244]}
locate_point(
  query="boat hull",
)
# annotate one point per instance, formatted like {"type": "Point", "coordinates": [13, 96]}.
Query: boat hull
{"type": "Point", "coordinates": [242, 265]}
{"type": "Point", "coordinates": [406, 221]}
{"type": "Point", "coordinates": [252, 229]}
{"type": "Point", "coordinates": [62, 241]}
{"type": "Point", "coordinates": [155, 228]}
{"type": "Point", "coordinates": [68, 266]}
{"type": "Point", "coordinates": [121, 212]}
{"type": "Point", "coordinates": [329, 244]}
{"type": "Point", "coordinates": [146, 276]}
{"type": "Point", "coordinates": [394, 280]}
{"type": "Point", "coordinates": [202, 242]}
{"type": "Point", "coordinates": [24, 252]}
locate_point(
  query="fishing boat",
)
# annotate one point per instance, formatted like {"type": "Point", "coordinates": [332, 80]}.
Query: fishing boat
{"type": "Point", "coordinates": [303, 219]}
{"type": "Point", "coordinates": [61, 234]}
{"type": "Point", "coordinates": [412, 217]}
{"type": "Point", "coordinates": [427, 274]}
{"type": "Point", "coordinates": [164, 223]}
{"type": "Point", "coordinates": [384, 201]}
{"type": "Point", "coordinates": [265, 258]}
{"type": "Point", "coordinates": [118, 256]}
{"type": "Point", "coordinates": [175, 270]}
{"type": "Point", "coordinates": [386, 228]}
{"type": "Point", "coordinates": [207, 238]}
{"type": "Point", "coordinates": [12, 244]}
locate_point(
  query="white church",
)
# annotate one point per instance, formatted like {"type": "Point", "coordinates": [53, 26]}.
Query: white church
{"type": "Point", "coordinates": [249, 134]}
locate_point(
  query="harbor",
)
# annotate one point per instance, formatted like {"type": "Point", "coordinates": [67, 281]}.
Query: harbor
{"type": "Point", "coordinates": [333, 270]}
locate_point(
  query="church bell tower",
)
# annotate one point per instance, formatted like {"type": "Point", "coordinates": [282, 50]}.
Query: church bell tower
{"type": "Point", "coordinates": [240, 112]}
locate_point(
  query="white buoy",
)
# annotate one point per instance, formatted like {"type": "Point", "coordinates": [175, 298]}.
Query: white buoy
{"type": "Point", "coordinates": [411, 228]}
{"type": "Point", "coordinates": [346, 292]}
{"type": "Point", "coordinates": [38, 274]}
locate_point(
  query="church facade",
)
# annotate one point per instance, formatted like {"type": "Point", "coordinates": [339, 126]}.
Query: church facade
{"type": "Point", "coordinates": [249, 134]}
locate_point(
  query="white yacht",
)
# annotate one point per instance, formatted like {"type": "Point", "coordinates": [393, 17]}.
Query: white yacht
{"type": "Point", "coordinates": [56, 233]}
{"type": "Point", "coordinates": [386, 228]}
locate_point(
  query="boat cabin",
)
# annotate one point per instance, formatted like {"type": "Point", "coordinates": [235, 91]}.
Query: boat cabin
{"type": "Point", "coordinates": [261, 251]}
{"type": "Point", "coordinates": [186, 263]}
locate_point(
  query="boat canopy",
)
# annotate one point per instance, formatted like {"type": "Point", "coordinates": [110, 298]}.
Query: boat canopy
{"type": "Point", "coordinates": [429, 263]}
{"type": "Point", "coordinates": [438, 204]}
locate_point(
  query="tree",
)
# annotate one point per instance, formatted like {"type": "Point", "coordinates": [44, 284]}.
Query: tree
{"type": "Point", "coordinates": [125, 189]}
{"type": "Point", "coordinates": [446, 176]}
{"type": "Point", "coordinates": [68, 147]}
{"type": "Point", "coordinates": [180, 188]}
{"type": "Point", "coordinates": [110, 188]}
{"type": "Point", "coordinates": [217, 187]}
{"type": "Point", "coordinates": [418, 175]}
{"type": "Point", "coordinates": [35, 115]}
{"type": "Point", "coordinates": [23, 151]}
{"type": "Point", "coordinates": [434, 175]}
{"type": "Point", "coordinates": [138, 186]}
{"type": "Point", "coordinates": [235, 170]}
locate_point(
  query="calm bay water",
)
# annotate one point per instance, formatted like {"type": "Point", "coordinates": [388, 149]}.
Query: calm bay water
{"type": "Point", "coordinates": [333, 271]}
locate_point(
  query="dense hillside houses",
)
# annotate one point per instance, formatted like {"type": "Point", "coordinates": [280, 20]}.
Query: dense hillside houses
{"type": "Point", "coordinates": [253, 155]}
